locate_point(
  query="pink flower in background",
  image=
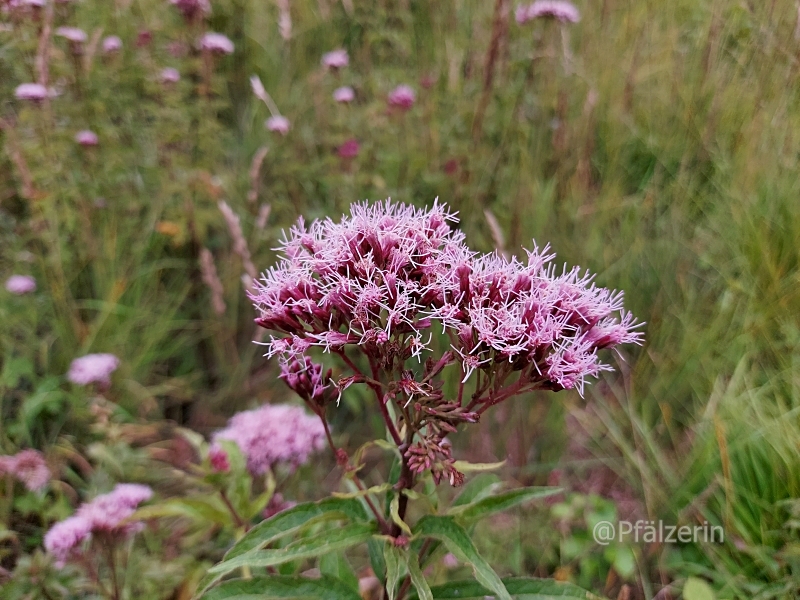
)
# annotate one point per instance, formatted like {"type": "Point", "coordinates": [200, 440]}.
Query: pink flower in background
{"type": "Point", "coordinates": [21, 284]}
{"type": "Point", "coordinates": [143, 38]}
{"type": "Point", "coordinates": [106, 514]}
{"type": "Point", "coordinates": [27, 466]}
{"type": "Point", "coordinates": [170, 75]}
{"type": "Point", "coordinates": [274, 434]}
{"type": "Point", "coordinates": [65, 537]}
{"type": "Point", "coordinates": [86, 138]}
{"type": "Point", "coordinates": [31, 91]}
{"type": "Point", "coordinates": [276, 505]}
{"type": "Point", "coordinates": [278, 123]}
{"type": "Point", "coordinates": [336, 59]}
{"type": "Point", "coordinates": [192, 8]}
{"type": "Point", "coordinates": [553, 9]}
{"type": "Point", "coordinates": [219, 459]}
{"type": "Point", "coordinates": [344, 94]}
{"type": "Point", "coordinates": [402, 97]}
{"type": "Point", "coordinates": [93, 368]}
{"type": "Point", "coordinates": [112, 44]}
{"type": "Point", "coordinates": [73, 34]}
{"type": "Point", "coordinates": [450, 561]}
{"type": "Point", "coordinates": [349, 149]}
{"type": "Point", "coordinates": [216, 43]}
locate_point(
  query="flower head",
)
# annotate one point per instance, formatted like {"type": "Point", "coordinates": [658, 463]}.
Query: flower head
{"type": "Point", "coordinates": [21, 284]}
{"type": "Point", "coordinates": [112, 44]}
{"type": "Point", "coordinates": [216, 43]}
{"type": "Point", "coordinates": [272, 434]}
{"type": "Point", "coordinates": [107, 514]}
{"type": "Point", "coordinates": [86, 138]}
{"type": "Point", "coordinates": [73, 34]}
{"type": "Point", "coordinates": [344, 94]}
{"type": "Point", "coordinates": [192, 8]}
{"type": "Point", "coordinates": [552, 9]}
{"type": "Point", "coordinates": [349, 149]}
{"type": "Point", "coordinates": [170, 75]}
{"type": "Point", "coordinates": [278, 123]}
{"type": "Point", "coordinates": [402, 97]}
{"type": "Point", "coordinates": [336, 59]}
{"type": "Point", "coordinates": [93, 368]}
{"type": "Point", "coordinates": [34, 92]}
{"type": "Point", "coordinates": [27, 466]}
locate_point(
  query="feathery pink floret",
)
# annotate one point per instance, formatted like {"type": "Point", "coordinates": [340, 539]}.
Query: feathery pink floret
{"type": "Point", "coordinates": [112, 44]}
{"type": "Point", "coordinates": [274, 433]}
{"type": "Point", "coordinates": [344, 94]}
{"type": "Point", "coordinates": [86, 138]}
{"type": "Point", "coordinates": [402, 97]}
{"type": "Point", "coordinates": [73, 34]}
{"type": "Point", "coordinates": [31, 91]}
{"type": "Point", "coordinates": [27, 466]}
{"type": "Point", "coordinates": [278, 123]}
{"type": "Point", "coordinates": [93, 368]}
{"type": "Point", "coordinates": [216, 43]}
{"type": "Point", "coordinates": [170, 75]}
{"type": "Point", "coordinates": [106, 514]}
{"type": "Point", "coordinates": [336, 59]}
{"type": "Point", "coordinates": [64, 538]}
{"type": "Point", "coordinates": [387, 271]}
{"type": "Point", "coordinates": [553, 9]}
{"type": "Point", "coordinates": [21, 284]}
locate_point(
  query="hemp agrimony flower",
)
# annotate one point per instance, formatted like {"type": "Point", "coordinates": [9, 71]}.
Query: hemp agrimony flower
{"type": "Point", "coordinates": [378, 285]}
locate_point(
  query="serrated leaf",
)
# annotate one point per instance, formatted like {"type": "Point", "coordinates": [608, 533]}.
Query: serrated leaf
{"type": "Point", "coordinates": [292, 519]}
{"type": "Point", "coordinates": [500, 502]}
{"type": "Point", "coordinates": [458, 542]}
{"type": "Point", "coordinates": [520, 588]}
{"type": "Point", "coordinates": [281, 586]}
{"type": "Point", "coordinates": [323, 542]}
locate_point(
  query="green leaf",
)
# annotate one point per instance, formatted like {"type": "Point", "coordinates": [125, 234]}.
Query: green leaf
{"type": "Point", "coordinates": [281, 586]}
{"type": "Point", "coordinates": [394, 510]}
{"type": "Point", "coordinates": [392, 557]}
{"type": "Point", "coordinates": [325, 541]}
{"type": "Point", "coordinates": [376, 489]}
{"type": "Point", "coordinates": [458, 542]}
{"type": "Point", "coordinates": [336, 565]}
{"type": "Point", "coordinates": [697, 589]}
{"type": "Point", "coordinates": [290, 520]}
{"type": "Point", "coordinates": [478, 487]}
{"type": "Point", "coordinates": [417, 578]}
{"type": "Point", "coordinates": [500, 502]}
{"type": "Point", "coordinates": [520, 588]}
{"type": "Point", "coordinates": [201, 510]}
{"type": "Point", "coordinates": [468, 467]}
{"type": "Point", "coordinates": [375, 547]}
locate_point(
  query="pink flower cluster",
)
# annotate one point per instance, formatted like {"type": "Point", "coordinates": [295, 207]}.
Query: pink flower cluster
{"type": "Point", "coordinates": [552, 9]}
{"type": "Point", "coordinates": [278, 124]}
{"type": "Point", "coordinates": [380, 277]}
{"type": "Point", "coordinates": [34, 92]}
{"type": "Point", "coordinates": [93, 368]}
{"type": "Point", "coordinates": [192, 8]}
{"type": "Point", "coordinates": [402, 97]}
{"type": "Point", "coordinates": [271, 434]}
{"type": "Point", "coordinates": [27, 466]}
{"type": "Point", "coordinates": [216, 43]}
{"type": "Point", "coordinates": [337, 59]}
{"type": "Point", "coordinates": [21, 284]}
{"type": "Point", "coordinates": [106, 515]}
{"type": "Point", "coordinates": [87, 138]}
